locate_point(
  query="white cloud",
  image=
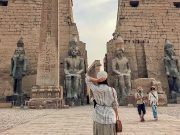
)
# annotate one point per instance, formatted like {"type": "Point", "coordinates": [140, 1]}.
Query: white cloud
{"type": "Point", "coordinates": [96, 21]}
{"type": "Point", "coordinates": [90, 3]}
{"type": "Point", "coordinates": [97, 3]}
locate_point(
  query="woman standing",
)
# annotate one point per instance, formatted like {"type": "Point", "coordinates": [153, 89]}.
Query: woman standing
{"type": "Point", "coordinates": [153, 101]}
{"type": "Point", "coordinates": [105, 111]}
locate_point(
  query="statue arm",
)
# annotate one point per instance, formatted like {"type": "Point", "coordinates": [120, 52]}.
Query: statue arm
{"type": "Point", "coordinates": [11, 68]}
{"type": "Point", "coordinates": [65, 68]}
{"type": "Point", "coordinates": [166, 67]}
{"type": "Point", "coordinates": [114, 67]}
{"type": "Point", "coordinates": [128, 67]}
{"type": "Point", "coordinates": [178, 66]}
{"type": "Point", "coordinates": [81, 66]}
{"type": "Point", "coordinates": [25, 66]}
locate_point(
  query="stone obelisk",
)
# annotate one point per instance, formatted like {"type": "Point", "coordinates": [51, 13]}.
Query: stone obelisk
{"type": "Point", "coordinates": [47, 93]}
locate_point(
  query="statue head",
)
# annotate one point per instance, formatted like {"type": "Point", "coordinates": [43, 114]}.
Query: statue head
{"type": "Point", "coordinates": [20, 42]}
{"type": "Point", "coordinates": [20, 48]}
{"type": "Point", "coordinates": [73, 49]}
{"type": "Point", "coordinates": [115, 35]}
{"type": "Point", "coordinates": [119, 53]}
{"type": "Point", "coordinates": [168, 48]}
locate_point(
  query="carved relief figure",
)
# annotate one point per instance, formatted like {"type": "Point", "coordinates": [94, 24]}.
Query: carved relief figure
{"type": "Point", "coordinates": [18, 67]}
{"type": "Point", "coordinates": [122, 83]}
{"type": "Point", "coordinates": [115, 35]}
{"type": "Point", "coordinates": [172, 68]}
{"type": "Point", "coordinates": [73, 68]}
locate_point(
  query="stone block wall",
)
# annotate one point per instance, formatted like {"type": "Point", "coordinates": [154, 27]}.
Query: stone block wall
{"type": "Point", "coordinates": [47, 70]}
{"type": "Point", "coordinates": [24, 18]}
{"type": "Point", "coordinates": [19, 18]}
{"type": "Point", "coordinates": [68, 29]}
{"type": "Point", "coordinates": [144, 30]}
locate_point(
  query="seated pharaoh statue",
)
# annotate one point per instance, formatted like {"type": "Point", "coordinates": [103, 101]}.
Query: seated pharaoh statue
{"type": "Point", "coordinates": [122, 80]}
{"type": "Point", "coordinates": [172, 69]}
{"type": "Point", "coordinates": [73, 68]}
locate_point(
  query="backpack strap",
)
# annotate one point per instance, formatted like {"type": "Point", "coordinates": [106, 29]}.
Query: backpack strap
{"type": "Point", "coordinates": [154, 95]}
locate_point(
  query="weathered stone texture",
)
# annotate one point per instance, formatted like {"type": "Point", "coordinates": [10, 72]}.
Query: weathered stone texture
{"type": "Point", "coordinates": [19, 18]}
{"type": "Point", "coordinates": [47, 71]}
{"type": "Point", "coordinates": [144, 30]}
{"type": "Point", "coordinates": [67, 30]}
{"type": "Point", "coordinates": [46, 97]}
{"type": "Point", "coordinates": [112, 46]}
{"type": "Point", "coordinates": [24, 18]}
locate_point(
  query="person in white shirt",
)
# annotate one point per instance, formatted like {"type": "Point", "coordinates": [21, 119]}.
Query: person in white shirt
{"type": "Point", "coordinates": [105, 111]}
{"type": "Point", "coordinates": [153, 101]}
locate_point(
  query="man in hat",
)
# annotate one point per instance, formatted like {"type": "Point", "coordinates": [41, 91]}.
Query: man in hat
{"type": "Point", "coordinates": [153, 101]}
{"type": "Point", "coordinates": [139, 96]}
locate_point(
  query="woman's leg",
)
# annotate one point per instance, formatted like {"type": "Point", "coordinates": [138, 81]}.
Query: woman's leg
{"type": "Point", "coordinates": [139, 111]}
{"type": "Point", "coordinates": [154, 109]}
{"type": "Point", "coordinates": [143, 111]}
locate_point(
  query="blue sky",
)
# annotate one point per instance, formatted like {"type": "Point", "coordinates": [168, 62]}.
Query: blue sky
{"type": "Point", "coordinates": [96, 21]}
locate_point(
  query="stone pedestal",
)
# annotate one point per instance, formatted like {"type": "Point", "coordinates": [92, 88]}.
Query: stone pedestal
{"type": "Point", "coordinates": [178, 100]}
{"type": "Point", "coordinates": [174, 98]}
{"type": "Point", "coordinates": [46, 97]}
{"type": "Point", "coordinates": [5, 105]}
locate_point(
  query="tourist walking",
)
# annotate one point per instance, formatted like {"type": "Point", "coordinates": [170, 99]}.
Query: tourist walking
{"type": "Point", "coordinates": [139, 96]}
{"type": "Point", "coordinates": [105, 111]}
{"type": "Point", "coordinates": [153, 101]}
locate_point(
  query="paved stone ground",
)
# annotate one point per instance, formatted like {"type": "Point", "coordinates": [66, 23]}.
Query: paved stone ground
{"type": "Point", "coordinates": [77, 121]}
{"type": "Point", "coordinates": [172, 110]}
{"type": "Point", "coordinates": [10, 118]}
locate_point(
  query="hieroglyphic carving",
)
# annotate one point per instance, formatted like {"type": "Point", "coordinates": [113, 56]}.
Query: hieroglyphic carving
{"type": "Point", "coordinates": [48, 55]}
{"type": "Point", "coordinates": [48, 69]}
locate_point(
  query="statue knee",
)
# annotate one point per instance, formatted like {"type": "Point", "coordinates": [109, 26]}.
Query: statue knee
{"type": "Point", "coordinates": [77, 77]}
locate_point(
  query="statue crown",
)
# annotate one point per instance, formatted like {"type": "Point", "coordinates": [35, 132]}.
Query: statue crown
{"type": "Point", "coordinates": [168, 44]}
{"type": "Point", "coordinates": [20, 42]}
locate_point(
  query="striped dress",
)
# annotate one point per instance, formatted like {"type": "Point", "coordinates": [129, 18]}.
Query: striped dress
{"type": "Point", "coordinates": [103, 115]}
